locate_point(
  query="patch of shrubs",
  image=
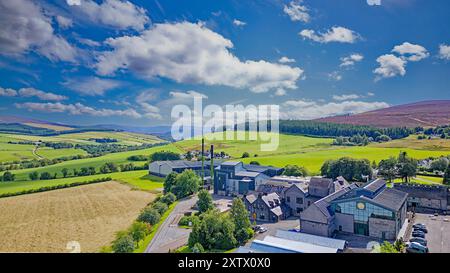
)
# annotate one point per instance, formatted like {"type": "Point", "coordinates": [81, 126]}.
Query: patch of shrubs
{"type": "Point", "coordinates": [127, 241]}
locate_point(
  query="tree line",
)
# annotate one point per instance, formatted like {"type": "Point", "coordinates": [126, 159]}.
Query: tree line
{"type": "Point", "coordinates": [326, 129]}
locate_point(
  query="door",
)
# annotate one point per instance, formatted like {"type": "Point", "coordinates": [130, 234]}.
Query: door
{"type": "Point", "coordinates": [361, 229]}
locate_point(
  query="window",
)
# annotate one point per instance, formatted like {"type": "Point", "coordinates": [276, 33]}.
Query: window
{"type": "Point", "coordinates": [288, 199]}
{"type": "Point", "coordinates": [299, 200]}
{"type": "Point", "coordinates": [299, 210]}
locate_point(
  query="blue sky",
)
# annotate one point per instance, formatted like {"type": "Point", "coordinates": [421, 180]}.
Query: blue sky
{"type": "Point", "coordinates": [129, 62]}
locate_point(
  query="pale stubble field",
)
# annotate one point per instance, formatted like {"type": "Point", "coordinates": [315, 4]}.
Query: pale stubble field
{"type": "Point", "coordinates": [90, 215]}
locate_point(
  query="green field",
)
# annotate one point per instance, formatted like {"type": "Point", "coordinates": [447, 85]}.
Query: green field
{"type": "Point", "coordinates": [313, 152]}
{"type": "Point", "coordinates": [139, 179]}
{"type": "Point", "coordinates": [299, 150]}
{"type": "Point", "coordinates": [288, 144]}
{"type": "Point", "coordinates": [314, 160]}
{"type": "Point", "coordinates": [425, 180]}
{"type": "Point", "coordinates": [123, 138]}
{"type": "Point", "coordinates": [118, 158]}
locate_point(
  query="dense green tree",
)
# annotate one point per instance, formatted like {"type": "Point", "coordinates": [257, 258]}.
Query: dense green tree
{"type": "Point", "coordinates": [34, 175]}
{"type": "Point", "coordinates": [108, 167]}
{"type": "Point", "coordinates": [241, 220]}
{"type": "Point", "coordinates": [164, 155]}
{"type": "Point", "coordinates": [387, 247]}
{"type": "Point", "coordinates": [439, 164]}
{"type": "Point", "coordinates": [186, 183]}
{"type": "Point", "coordinates": [124, 243]}
{"type": "Point", "coordinates": [407, 167]}
{"type": "Point", "coordinates": [213, 231]}
{"type": "Point", "coordinates": [407, 170]}
{"type": "Point", "coordinates": [245, 155]}
{"type": "Point", "coordinates": [315, 128]}
{"type": "Point", "coordinates": [8, 176]}
{"type": "Point", "coordinates": [205, 201]}
{"type": "Point", "coordinates": [160, 207]}
{"type": "Point", "coordinates": [138, 231]}
{"type": "Point", "coordinates": [168, 198]}
{"type": "Point", "coordinates": [149, 215]}
{"type": "Point", "coordinates": [294, 170]}
{"type": "Point", "coordinates": [198, 248]}
{"type": "Point", "coordinates": [388, 168]}
{"type": "Point", "coordinates": [447, 176]}
{"type": "Point", "coordinates": [349, 168]}
{"type": "Point", "coordinates": [170, 181]}
{"type": "Point", "coordinates": [45, 176]}
{"type": "Point", "coordinates": [65, 172]}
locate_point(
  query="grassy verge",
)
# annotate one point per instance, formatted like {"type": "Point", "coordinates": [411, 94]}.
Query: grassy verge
{"type": "Point", "coordinates": [142, 246]}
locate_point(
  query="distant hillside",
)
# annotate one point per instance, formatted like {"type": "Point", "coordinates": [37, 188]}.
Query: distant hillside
{"type": "Point", "coordinates": [425, 114]}
{"type": "Point", "coordinates": [35, 123]}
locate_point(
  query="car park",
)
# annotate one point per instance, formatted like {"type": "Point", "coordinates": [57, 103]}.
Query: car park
{"type": "Point", "coordinates": [424, 230]}
{"type": "Point", "coordinates": [419, 240]}
{"type": "Point", "coordinates": [416, 248]}
{"type": "Point", "coordinates": [418, 233]}
{"type": "Point", "coordinates": [419, 225]}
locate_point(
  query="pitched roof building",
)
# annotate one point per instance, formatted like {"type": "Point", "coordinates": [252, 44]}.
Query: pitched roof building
{"type": "Point", "coordinates": [372, 210]}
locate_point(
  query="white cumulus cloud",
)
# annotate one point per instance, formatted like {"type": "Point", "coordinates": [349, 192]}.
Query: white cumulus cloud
{"type": "Point", "coordinates": [297, 12]}
{"type": "Point", "coordinates": [91, 86]}
{"type": "Point", "coordinates": [111, 13]}
{"type": "Point", "coordinates": [239, 23]}
{"type": "Point", "coordinates": [374, 2]}
{"type": "Point", "coordinates": [25, 27]}
{"type": "Point", "coordinates": [411, 52]}
{"type": "Point", "coordinates": [350, 60]}
{"type": "Point", "coordinates": [305, 110]}
{"type": "Point", "coordinates": [285, 59]}
{"type": "Point", "coordinates": [335, 34]}
{"type": "Point", "coordinates": [191, 53]}
{"type": "Point", "coordinates": [76, 109]}
{"type": "Point", "coordinates": [346, 97]}
{"type": "Point", "coordinates": [390, 66]}
{"type": "Point", "coordinates": [444, 52]}
{"type": "Point", "coordinates": [28, 92]}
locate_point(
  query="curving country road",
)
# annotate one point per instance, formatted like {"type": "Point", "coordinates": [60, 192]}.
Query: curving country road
{"type": "Point", "coordinates": [169, 236]}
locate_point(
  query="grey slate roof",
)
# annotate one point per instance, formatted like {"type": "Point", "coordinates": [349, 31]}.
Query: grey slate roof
{"type": "Point", "coordinates": [320, 182]}
{"type": "Point", "coordinates": [247, 174]}
{"type": "Point", "coordinates": [375, 185]}
{"type": "Point", "coordinates": [311, 239]}
{"type": "Point", "coordinates": [391, 198]}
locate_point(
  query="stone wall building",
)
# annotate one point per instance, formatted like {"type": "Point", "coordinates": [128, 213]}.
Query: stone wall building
{"type": "Point", "coordinates": [426, 197]}
{"type": "Point", "coordinates": [265, 207]}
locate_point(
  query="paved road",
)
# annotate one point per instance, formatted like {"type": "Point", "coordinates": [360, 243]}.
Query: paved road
{"type": "Point", "coordinates": [169, 236]}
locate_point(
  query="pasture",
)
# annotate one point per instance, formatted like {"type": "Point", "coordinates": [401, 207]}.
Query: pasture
{"type": "Point", "coordinates": [118, 158]}
{"type": "Point", "coordinates": [136, 179]}
{"type": "Point", "coordinates": [288, 144]}
{"type": "Point", "coordinates": [314, 160]}
{"type": "Point", "coordinates": [89, 215]}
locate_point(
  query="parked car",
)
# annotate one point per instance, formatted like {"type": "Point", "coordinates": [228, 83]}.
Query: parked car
{"type": "Point", "coordinates": [262, 229]}
{"type": "Point", "coordinates": [259, 229]}
{"type": "Point", "coordinates": [416, 248]}
{"type": "Point", "coordinates": [418, 233]}
{"type": "Point", "coordinates": [424, 230]}
{"type": "Point", "coordinates": [419, 240]}
{"type": "Point", "coordinates": [419, 225]}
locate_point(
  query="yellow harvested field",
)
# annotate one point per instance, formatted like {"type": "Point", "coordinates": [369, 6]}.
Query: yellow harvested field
{"type": "Point", "coordinates": [89, 215]}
